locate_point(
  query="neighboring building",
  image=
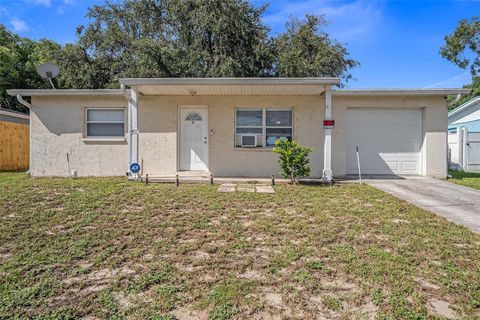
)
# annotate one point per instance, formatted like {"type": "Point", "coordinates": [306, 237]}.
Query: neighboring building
{"type": "Point", "coordinates": [228, 126]}
{"type": "Point", "coordinates": [8, 115]}
{"type": "Point", "coordinates": [464, 136]}
{"type": "Point", "coordinates": [14, 140]}
{"type": "Point", "coordinates": [467, 115]}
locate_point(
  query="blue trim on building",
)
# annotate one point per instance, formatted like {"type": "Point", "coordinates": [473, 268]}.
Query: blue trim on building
{"type": "Point", "coordinates": [472, 126]}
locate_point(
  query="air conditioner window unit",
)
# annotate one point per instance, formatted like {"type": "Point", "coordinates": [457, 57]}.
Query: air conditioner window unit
{"type": "Point", "coordinates": [249, 141]}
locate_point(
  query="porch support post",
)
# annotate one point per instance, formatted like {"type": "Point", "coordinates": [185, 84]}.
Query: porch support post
{"type": "Point", "coordinates": [133, 129]}
{"type": "Point", "coordinates": [327, 146]}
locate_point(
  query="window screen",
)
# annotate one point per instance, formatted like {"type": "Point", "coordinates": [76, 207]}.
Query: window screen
{"type": "Point", "coordinates": [248, 123]}
{"type": "Point", "coordinates": [267, 125]}
{"type": "Point", "coordinates": [105, 123]}
{"type": "Point", "coordinates": [278, 126]}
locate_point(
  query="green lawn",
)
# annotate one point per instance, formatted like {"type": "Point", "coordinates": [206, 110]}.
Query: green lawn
{"type": "Point", "coordinates": [108, 248]}
{"type": "Point", "coordinates": [468, 179]}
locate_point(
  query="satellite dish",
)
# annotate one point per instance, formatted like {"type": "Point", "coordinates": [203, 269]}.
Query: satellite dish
{"type": "Point", "coordinates": [48, 71]}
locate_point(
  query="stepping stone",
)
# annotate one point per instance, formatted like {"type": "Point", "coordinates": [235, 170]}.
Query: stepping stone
{"type": "Point", "coordinates": [226, 188]}
{"type": "Point", "coordinates": [265, 189]}
{"type": "Point", "coordinates": [246, 188]}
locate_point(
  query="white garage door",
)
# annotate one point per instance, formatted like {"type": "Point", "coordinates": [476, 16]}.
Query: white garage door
{"type": "Point", "coordinates": [388, 141]}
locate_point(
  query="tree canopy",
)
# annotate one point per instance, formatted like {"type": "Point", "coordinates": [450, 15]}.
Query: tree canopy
{"type": "Point", "coordinates": [174, 38]}
{"type": "Point", "coordinates": [18, 60]}
{"type": "Point", "coordinates": [462, 48]}
{"type": "Point", "coordinates": [305, 50]}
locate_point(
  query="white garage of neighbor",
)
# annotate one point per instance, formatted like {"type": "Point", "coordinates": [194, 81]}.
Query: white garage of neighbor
{"type": "Point", "coordinates": [227, 127]}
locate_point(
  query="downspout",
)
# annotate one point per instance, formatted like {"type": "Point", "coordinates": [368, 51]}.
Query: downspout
{"type": "Point", "coordinates": [22, 101]}
{"type": "Point", "coordinates": [29, 106]}
{"type": "Point", "coordinates": [451, 103]}
{"type": "Point", "coordinates": [124, 91]}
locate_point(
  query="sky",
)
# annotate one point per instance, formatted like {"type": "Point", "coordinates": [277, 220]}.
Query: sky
{"type": "Point", "coordinates": [396, 42]}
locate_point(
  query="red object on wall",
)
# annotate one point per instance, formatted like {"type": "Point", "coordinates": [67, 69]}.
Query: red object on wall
{"type": "Point", "coordinates": [328, 124]}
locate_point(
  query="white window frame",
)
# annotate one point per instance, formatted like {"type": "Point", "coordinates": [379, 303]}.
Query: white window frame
{"type": "Point", "coordinates": [124, 122]}
{"type": "Point", "coordinates": [263, 127]}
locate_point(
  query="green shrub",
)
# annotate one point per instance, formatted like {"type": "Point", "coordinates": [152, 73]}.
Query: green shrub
{"type": "Point", "coordinates": [293, 159]}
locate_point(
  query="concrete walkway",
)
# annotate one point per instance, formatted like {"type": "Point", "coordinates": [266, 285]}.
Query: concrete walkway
{"type": "Point", "coordinates": [456, 203]}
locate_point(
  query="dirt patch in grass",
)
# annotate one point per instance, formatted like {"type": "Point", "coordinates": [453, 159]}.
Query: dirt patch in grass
{"type": "Point", "coordinates": [108, 248]}
{"type": "Point", "coordinates": [441, 308]}
{"type": "Point", "coordinates": [99, 276]}
{"type": "Point", "coordinates": [186, 313]}
{"type": "Point", "coordinates": [274, 299]}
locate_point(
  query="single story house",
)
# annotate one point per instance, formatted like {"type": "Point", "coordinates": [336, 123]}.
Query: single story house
{"type": "Point", "coordinates": [464, 136]}
{"type": "Point", "coordinates": [227, 126]}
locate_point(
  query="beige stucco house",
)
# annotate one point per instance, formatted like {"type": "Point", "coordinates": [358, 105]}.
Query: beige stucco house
{"type": "Point", "coordinates": [228, 126]}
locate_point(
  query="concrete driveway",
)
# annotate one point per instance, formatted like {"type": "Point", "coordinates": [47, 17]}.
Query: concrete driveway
{"type": "Point", "coordinates": [456, 203]}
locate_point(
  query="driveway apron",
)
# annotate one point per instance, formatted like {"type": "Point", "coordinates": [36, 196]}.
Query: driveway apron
{"type": "Point", "coordinates": [456, 203]}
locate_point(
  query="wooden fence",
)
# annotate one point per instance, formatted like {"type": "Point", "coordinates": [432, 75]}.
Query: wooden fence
{"type": "Point", "coordinates": [14, 146]}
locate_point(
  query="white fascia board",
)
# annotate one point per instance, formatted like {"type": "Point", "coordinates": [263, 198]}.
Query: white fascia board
{"type": "Point", "coordinates": [65, 92]}
{"type": "Point", "coordinates": [400, 92]}
{"type": "Point", "coordinates": [228, 81]}
{"type": "Point", "coordinates": [464, 106]}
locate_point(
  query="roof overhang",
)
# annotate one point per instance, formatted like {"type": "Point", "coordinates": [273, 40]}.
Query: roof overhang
{"type": "Point", "coordinates": [230, 86]}
{"type": "Point", "coordinates": [465, 106]}
{"type": "Point", "coordinates": [400, 92]}
{"type": "Point", "coordinates": [65, 92]}
{"type": "Point", "coordinates": [464, 110]}
{"type": "Point", "coordinates": [235, 86]}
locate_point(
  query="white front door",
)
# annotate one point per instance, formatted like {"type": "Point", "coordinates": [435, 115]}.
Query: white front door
{"type": "Point", "coordinates": [389, 140]}
{"type": "Point", "coordinates": [194, 139]}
